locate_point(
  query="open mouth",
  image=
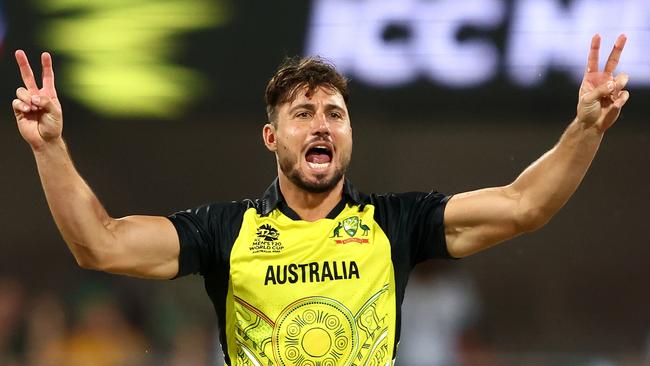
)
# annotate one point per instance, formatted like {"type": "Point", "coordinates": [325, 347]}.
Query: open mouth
{"type": "Point", "coordinates": [319, 156]}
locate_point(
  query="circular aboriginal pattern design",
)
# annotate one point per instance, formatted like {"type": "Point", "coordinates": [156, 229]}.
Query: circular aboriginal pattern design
{"type": "Point", "coordinates": [315, 331]}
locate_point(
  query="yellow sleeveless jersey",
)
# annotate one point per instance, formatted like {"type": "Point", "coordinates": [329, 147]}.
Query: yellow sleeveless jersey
{"type": "Point", "coordinates": [323, 293]}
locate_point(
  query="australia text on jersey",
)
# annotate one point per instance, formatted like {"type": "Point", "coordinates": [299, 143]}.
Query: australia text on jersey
{"type": "Point", "coordinates": [311, 272]}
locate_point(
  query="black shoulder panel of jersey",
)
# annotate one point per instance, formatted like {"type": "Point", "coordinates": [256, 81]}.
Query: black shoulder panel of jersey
{"type": "Point", "coordinates": [207, 233]}
{"type": "Point", "coordinates": [414, 224]}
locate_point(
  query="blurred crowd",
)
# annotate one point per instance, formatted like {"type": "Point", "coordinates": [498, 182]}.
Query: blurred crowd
{"type": "Point", "coordinates": [106, 320]}
{"type": "Point", "coordinates": [102, 322]}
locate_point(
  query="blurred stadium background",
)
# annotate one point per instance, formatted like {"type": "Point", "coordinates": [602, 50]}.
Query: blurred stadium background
{"type": "Point", "coordinates": [163, 105]}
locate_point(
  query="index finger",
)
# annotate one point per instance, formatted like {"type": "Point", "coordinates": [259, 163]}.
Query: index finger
{"type": "Point", "coordinates": [26, 71]}
{"type": "Point", "coordinates": [612, 61]}
{"type": "Point", "coordinates": [592, 61]}
{"type": "Point", "coordinates": [48, 74]}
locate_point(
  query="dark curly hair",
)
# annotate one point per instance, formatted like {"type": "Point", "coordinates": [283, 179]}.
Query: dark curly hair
{"type": "Point", "coordinates": [296, 73]}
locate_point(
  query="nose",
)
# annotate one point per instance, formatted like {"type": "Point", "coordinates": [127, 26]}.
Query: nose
{"type": "Point", "coordinates": [320, 125]}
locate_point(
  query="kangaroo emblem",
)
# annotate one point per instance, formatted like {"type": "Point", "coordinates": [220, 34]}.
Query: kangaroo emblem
{"type": "Point", "coordinates": [337, 231]}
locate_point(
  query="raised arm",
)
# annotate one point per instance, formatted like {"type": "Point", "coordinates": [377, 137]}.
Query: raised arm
{"type": "Point", "coordinates": [142, 246]}
{"type": "Point", "coordinates": [480, 219]}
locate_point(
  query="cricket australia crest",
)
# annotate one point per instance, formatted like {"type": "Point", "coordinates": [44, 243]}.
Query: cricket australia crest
{"type": "Point", "coordinates": [351, 226]}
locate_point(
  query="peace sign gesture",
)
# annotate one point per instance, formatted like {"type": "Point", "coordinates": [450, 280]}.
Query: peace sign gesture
{"type": "Point", "coordinates": [38, 111]}
{"type": "Point", "coordinates": [601, 95]}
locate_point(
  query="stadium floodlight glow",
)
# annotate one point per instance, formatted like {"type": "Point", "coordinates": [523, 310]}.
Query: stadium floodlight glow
{"type": "Point", "coordinates": [428, 42]}
{"type": "Point", "coordinates": [119, 52]}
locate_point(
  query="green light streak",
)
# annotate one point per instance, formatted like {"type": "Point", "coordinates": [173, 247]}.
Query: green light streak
{"type": "Point", "coordinates": [119, 53]}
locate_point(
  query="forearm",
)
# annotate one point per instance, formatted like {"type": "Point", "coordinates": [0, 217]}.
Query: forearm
{"type": "Point", "coordinates": [479, 219]}
{"type": "Point", "coordinates": [143, 246]}
{"type": "Point", "coordinates": [78, 214]}
{"type": "Point", "coordinates": [547, 184]}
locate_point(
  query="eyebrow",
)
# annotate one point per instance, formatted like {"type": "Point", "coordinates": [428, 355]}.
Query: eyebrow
{"type": "Point", "coordinates": [329, 107]}
{"type": "Point", "coordinates": [311, 107]}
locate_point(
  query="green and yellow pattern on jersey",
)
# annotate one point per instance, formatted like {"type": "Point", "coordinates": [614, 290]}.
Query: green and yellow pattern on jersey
{"type": "Point", "coordinates": [322, 296]}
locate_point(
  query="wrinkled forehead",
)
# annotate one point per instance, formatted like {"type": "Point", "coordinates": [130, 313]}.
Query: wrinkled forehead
{"type": "Point", "coordinates": [321, 94]}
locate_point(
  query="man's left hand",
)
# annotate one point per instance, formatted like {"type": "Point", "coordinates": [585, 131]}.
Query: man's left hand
{"type": "Point", "coordinates": [601, 94]}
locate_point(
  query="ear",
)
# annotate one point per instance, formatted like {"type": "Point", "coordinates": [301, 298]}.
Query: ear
{"type": "Point", "coordinates": [268, 135]}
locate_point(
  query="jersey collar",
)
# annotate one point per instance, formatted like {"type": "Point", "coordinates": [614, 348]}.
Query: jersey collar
{"type": "Point", "coordinates": [273, 199]}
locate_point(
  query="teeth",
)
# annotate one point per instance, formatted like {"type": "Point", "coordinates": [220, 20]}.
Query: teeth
{"type": "Point", "coordinates": [318, 166]}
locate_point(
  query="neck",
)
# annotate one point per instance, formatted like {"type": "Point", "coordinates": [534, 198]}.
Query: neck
{"type": "Point", "coordinates": [310, 206]}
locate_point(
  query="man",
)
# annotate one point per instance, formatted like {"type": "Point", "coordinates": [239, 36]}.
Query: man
{"type": "Point", "coordinates": [314, 272]}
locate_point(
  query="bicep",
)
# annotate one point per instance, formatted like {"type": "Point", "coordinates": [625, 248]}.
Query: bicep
{"type": "Point", "coordinates": [479, 219]}
{"type": "Point", "coordinates": [143, 246]}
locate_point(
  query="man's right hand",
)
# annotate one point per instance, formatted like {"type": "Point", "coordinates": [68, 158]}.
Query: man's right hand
{"type": "Point", "coordinates": [142, 246]}
{"type": "Point", "coordinates": [38, 111]}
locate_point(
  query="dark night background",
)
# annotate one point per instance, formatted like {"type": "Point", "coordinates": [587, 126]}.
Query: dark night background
{"type": "Point", "coordinates": [580, 285]}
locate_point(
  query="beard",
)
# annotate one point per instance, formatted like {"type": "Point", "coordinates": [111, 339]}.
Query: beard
{"type": "Point", "coordinates": [321, 185]}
